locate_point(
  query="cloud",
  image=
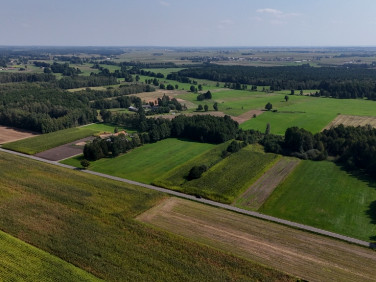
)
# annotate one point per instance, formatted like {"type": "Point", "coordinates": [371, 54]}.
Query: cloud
{"type": "Point", "coordinates": [276, 17]}
{"type": "Point", "coordinates": [164, 3]}
{"type": "Point", "coordinates": [224, 23]}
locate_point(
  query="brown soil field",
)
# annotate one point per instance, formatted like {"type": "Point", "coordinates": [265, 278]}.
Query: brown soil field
{"type": "Point", "coordinates": [302, 254]}
{"type": "Point", "coordinates": [352, 121]}
{"type": "Point", "coordinates": [64, 151]}
{"type": "Point", "coordinates": [10, 134]}
{"type": "Point", "coordinates": [247, 116]}
{"type": "Point", "coordinates": [259, 192]}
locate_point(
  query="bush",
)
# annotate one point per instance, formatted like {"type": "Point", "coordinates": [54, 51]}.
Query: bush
{"type": "Point", "coordinates": [196, 172]}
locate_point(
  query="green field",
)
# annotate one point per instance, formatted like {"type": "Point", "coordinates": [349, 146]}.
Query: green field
{"type": "Point", "coordinates": [47, 141]}
{"type": "Point", "coordinates": [21, 261]}
{"type": "Point", "coordinates": [310, 113]}
{"type": "Point", "coordinates": [226, 179]}
{"type": "Point", "coordinates": [88, 221]}
{"type": "Point", "coordinates": [107, 127]}
{"type": "Point", "coordinates": [148, 162]}
{"type": "Point", "coordinates": [323, 195]}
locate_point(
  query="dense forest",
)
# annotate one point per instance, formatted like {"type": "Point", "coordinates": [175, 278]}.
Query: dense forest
{"type": "Point", "coordinates": [337, 82]}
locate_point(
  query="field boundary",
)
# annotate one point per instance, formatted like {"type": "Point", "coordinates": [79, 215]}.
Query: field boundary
{"type": "Point", "coordinates": [212, 203]}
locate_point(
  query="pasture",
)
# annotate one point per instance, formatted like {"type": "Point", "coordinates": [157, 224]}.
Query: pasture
{"type": "Point", "coordinates": [47, 141]}
{"type": "Point", "coordinates": [302, 254]}
{"type": "Point", "coordinates": [323, 195]}
{"type": "Point", "coordinates": [21, 261]}
{"type": "Point", "coordinates": [148, 162]}
{"type": "Point", "coordinates": [226, 178]}
{"type": "Point", "coordinates": [89, 222]}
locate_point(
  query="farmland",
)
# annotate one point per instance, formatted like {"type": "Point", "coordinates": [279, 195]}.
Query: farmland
{"type": "Point", "coordinates": [323, 195]}
{"type": "Point", "coordinates": [347, 120]}
{"type": "Point", "coordinates": [309, 256]}
{"type": "Point", "coordinates": [88, 221]}
{"type": "Point", "coordinates": [226, 178]}
{"type": "Point", "coordinates": [9, 134]}
{"type": "Point", "coordinates": [47, 141]}
{"type": "Point", "coordinates": [22, 261]}
{"type": "Point", "coordinates": [150, 161]}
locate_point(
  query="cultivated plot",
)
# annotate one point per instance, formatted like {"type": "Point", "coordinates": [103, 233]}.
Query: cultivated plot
{"type": "Point", "coordinates": [302, 254]}
{"type": "Point", "coordinates": [11, 134]}
{"type": "Point", "coordinates": [347, 120]}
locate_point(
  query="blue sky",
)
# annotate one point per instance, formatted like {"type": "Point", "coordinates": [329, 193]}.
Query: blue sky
{"type": "Point", "coordinates": [188, 22]}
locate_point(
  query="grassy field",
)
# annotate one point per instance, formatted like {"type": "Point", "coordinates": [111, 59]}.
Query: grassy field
{"type": "Point", "coordinates": [107, 127]}
{"type": "Point", "coordinates": [148, 162]}
{"type": "Point", "coordinates": [21, 261]}
{"type": "Point", "coordinates": [306, 255]}
{"type": "Point", "coordinates": [323, 195]}
{"type": "Point", "coordinates": [88, 221]}
{"type": "Point", "coordinates": [226, 179]}
{"type": "Point", "coordinates": [47, 141]}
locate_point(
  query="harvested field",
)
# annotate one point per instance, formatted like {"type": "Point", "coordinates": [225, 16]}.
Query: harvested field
{"type": "Point", "coordinates": [309, 256]}
{"type": "Point", "coordinates": [352, 121]}
{"type": "Point", "coordinates": [65, 151]}
{"type": "Point", "coordinates": [247, 116]}
{"type": "Point", "coordinates": [259, 192]}
{"type": "Point", "coordinates": [10, 134]}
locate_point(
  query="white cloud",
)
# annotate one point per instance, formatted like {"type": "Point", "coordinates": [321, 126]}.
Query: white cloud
{"type": "Point", "coordinates": [276, 17]}
{"type": "Point", "coordinates": [224, 23]}
{"type": "Point", "coordinates": [269, 11]}
{"type": "Point", "coordinates": [164, 3]}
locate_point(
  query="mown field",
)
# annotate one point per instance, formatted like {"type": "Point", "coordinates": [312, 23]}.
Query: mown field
{"type": "Point", "coordinates": [148, 162]}
{"type": "Point", "coordinates": [323, 195]}
{"type": "Point", "coordinates": [47, 141]}
{"type": "Point", "coordinates": [309, 256]}
{"type": "Point", "coordinates": [88, 221]}
{"type": "Point", "coordinates": [106, 127]}
{"type": "Point", "coordinates": [226, 179]}
{"type": "Point", "coordinates": [21, 261]}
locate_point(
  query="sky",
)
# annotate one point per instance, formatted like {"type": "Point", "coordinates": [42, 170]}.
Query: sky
{"type": "Point", "coordinates": [201, 23]}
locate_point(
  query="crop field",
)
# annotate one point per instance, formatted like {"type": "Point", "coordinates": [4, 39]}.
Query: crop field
{"type": "Point", "coordinates": [226, 179]}
{"type": "Point", "coordinates": [323, 195]}
{"type": "Point", "coordinates": [305, 255]}
{"type": "Point", "coordinates": [11, 134]}
{"type": "Point", "coordinates": [107, 127]}
{"type": "Point", "coordinates": [352, 121]}
{"type": "Point", "coordinates": [47, 141]}
{"type": "Point", "coordinates": [310, 113]}
{"type": "Point", "coordinates": [148, 162]}
{"type": "Point", "coordinates": [21, 261]}
{"type": "Point", "coordinates": [260, 191]}
{"type": "Point", "coordinates": [88, 221]}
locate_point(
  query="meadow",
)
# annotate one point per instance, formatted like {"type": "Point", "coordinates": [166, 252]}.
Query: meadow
{"type": "Point", "coordinates": [47, 141]}
{"type": "Point", "coordinates": [89, 221]}
{"type": "Point", "coordinates": [148, 162]}
{"type": "Point", "coordinates": [226, 179]}
{"type": "Point", "coordinates": [21, 261]}
{"type": "Point", "coordinates": [323, 195]}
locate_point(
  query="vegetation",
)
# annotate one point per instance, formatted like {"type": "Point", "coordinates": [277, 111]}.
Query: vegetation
{"type": "Point", "coordinates": [47, 141]}
{"type": "Point", "coordinates": [323, 195]}
{"type": "Point", "coordinates": [88, 221]}
{"type": "Point", "coordinates": [20, 260]}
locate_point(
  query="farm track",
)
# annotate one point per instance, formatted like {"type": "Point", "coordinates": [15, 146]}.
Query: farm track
{"type": "Point", "coordinates": [211, 203]}
{"type": "Point", "coordinates": [259, 192]}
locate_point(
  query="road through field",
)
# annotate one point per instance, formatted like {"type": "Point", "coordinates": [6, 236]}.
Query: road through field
{"type": "Point", "coordinates": [209, 202]}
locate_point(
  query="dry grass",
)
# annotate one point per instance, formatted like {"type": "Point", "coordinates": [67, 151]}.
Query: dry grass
{"type": "Point", "coordinates": [352, 121]}
{"type": "Point", "coordinates": [306, 255]}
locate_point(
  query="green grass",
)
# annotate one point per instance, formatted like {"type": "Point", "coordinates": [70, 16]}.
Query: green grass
{"type": "Point", "coordinates": [323, 195]}
{"type": "Point", "coordinates": [47, 141]}
{"type": "Point", "coordinates": [227, 178]}
{"type": "Point", "coordinates": [89, 221]}
{"type": "Point", "coordinates": [310, 113]}
{"type": "Point", "coordinates": [148, 162]}
{"type": "Point", "coordinates": [107, 127]}
{"type": "Point", "coordinates": [21, 261]}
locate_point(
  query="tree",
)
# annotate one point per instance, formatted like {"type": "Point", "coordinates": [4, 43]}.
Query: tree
{"type": "Point", "coordinates": [85, 163]}
{"type": "Point", "coordinates": [267, 130]}
{"type": "Point", "coordinates": [199, 108]}
{"type": "Point", "coordinates": [215, 106]}
{"type": "Point", "coordinates": [292, 92]}
{"type": "Point", "coordinates": [192, 88]}
{"type": "Point", "coordinates": [196, 172]}
{"type": "Point", "coordinates": [199, 87]}
{"type": "Point", "coordinates": [206, 108]}
{"type": "Point", "coordinates": [286, 98]}
{"type": "Point", "coordinates": [268, 106]}
{"type": "Point", "coordinates": [137, 78]}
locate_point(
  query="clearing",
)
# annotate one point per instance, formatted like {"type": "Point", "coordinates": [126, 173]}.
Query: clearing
{"type": "Point", "coordinates": [300, 253]}
{"type": "Point", "coordinates": [347, 120]}
{"type": "Point", "coordinates": [11, 134]}
{"type": "Point", "coordinates": [323, 195]}
{"type": "Point", "coordinates": [259, 192]}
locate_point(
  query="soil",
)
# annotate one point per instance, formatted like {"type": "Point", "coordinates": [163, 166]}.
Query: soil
{"type": "Point", "coordinates": [11, 134]}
